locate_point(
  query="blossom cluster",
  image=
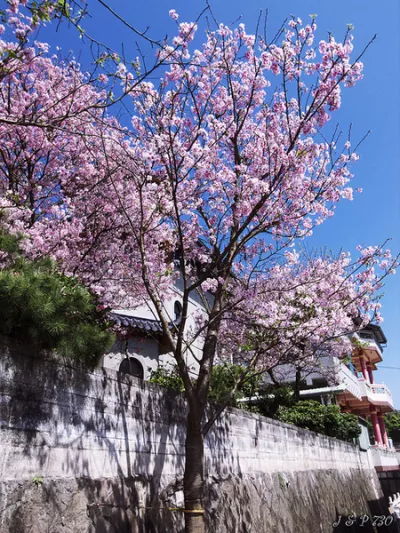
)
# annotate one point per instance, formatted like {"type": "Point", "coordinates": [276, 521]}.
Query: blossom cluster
{"type": "Point", "coordinates": [221, 171]}
{"type": "Point", "coordinates": [305, 307]}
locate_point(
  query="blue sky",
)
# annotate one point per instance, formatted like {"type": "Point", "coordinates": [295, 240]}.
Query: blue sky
{"type": "Point", "coordinates": [372, 105]}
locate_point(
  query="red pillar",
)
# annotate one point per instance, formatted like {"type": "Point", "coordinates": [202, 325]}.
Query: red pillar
{"type": "Point", "coordinates": [377, 428]}
{"type": "Point", "coordinates": [364, 368]}
{"type": "Point", "coordinates": [383, 430]}
{"type": "Point", "coordinates": [370, 373]}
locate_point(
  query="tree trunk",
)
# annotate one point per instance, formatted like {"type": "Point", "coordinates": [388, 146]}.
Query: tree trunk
{"type": "Point", "coordinates": [193, 481]}
{"type": "Point", "coordinates": [297, 385]}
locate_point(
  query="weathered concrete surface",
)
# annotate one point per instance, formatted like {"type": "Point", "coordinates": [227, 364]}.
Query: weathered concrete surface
{"type": "Point", "coordinates": [304, 502]}
{"type": "Point", "coordinates": [94, 451]}
{"type": "Point", "coordinates": [74, 505]}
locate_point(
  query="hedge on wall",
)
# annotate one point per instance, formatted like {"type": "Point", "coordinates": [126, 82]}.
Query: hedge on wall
{"type": "Point", "coordinates": [326, 419]}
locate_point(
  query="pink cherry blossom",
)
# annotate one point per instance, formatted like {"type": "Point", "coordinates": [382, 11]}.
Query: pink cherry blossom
{"type": "Point", "coordinates": [221, 172]}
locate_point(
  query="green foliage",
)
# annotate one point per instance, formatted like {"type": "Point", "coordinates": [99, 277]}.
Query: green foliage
{"type": "Point", "coordinates": [52, 311]}
{"type": "Point", "coordinates": [326, 419]}
{"type": "Point", "coordinates": [347, 426]}
{"type": "Point", "coordinates": [9, 244]}
{"type": "Point", "coordinates": [392, 422]}
{"type": "Point", "coordinates": [274, 398]}
{"type": "Point", "coordinates": [223, 380]}
{"type": "Point", "coordinates": [358, 343]}
{"type": "Point", "coordinates": [37, 480]}
{"type": "Point", "coordinates": [167, 378]}
{"type": "Point", "coordinates": [307, 414]}
{"type": "Point", "coordinates": [273, 401]}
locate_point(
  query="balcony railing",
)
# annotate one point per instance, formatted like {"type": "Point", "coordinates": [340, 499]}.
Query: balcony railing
{"type": "Point", "coordinates": [384, 458]}
{"type": "Point", "coordinates": [377, 393]}
{"type": "Point", "coordinates": [350, 379]}
{"type": "Point", "coordinates": [380, 389]}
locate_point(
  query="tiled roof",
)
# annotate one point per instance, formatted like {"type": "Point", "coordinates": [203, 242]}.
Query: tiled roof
{"type": "Point", "coordinates": [143, 325]}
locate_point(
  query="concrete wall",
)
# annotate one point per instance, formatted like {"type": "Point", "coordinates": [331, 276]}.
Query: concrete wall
{"type": "Point", "coordinates": [96, 451]}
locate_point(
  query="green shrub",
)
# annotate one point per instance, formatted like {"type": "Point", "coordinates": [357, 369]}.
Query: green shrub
{"type": "Point", "coordinates": [392, 422]}
{"type": "Point", "coordinates": [167, 377]}
{"type": "Point", "coordinates": [326, 419]}
{"type": "Point", "coordinates": [273, 401]}
{"type": "Point", "coordinates": [273, 398]}
{"type": "Point", "coordinates": [222, 382]}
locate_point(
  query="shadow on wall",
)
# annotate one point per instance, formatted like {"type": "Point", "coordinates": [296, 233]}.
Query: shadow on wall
{"type": "Point", "coordinates": [301, 502]}
{"type": "Point", "coordinates": [106, 432]}
{"type": "Point", "coordinates": [35, 407]}
{"type": "Point", "coordinates": [96, 450]}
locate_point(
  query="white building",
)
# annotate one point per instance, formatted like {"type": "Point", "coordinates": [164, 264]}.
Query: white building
{"type": "Point", "coordinates": [145, 346]}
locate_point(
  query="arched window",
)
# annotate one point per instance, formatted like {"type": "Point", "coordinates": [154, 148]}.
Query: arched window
{"type": "Point", "coordinates": [132, 367]}
{"type": "Point", "coordinates": [177, 310]}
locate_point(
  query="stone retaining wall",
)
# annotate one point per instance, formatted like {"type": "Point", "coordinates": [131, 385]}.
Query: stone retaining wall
{"type": "Point", "coordinates": [96, 451]}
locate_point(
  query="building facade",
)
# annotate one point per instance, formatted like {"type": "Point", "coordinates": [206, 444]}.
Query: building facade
{"type": "Point", "coordinates": [142, 346]}
{"type": "Point", "coordinates": [356, 391]}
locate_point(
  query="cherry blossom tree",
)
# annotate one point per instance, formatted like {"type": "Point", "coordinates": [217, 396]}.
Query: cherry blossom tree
{"type": "Point", "coordinates": [235, 171]}
{"type": "Point", "coordinates": [54, 172]}
{"type": "Point", "coordinates": [306, 310]}
{"type": "Point", "coordinates": [224, 168]}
